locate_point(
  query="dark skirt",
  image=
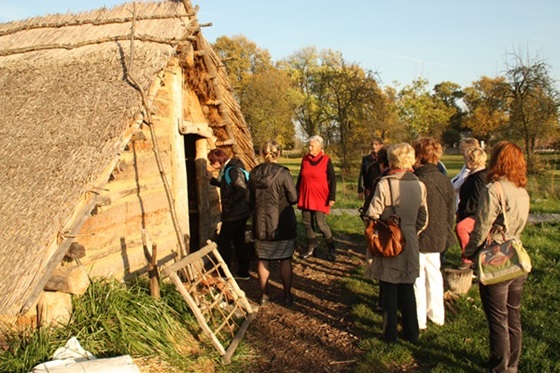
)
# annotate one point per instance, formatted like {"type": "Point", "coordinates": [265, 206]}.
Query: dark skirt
{"type": "Point", "coordinates": [274, 250]}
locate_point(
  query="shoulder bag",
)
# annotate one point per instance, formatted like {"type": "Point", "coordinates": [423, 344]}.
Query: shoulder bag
{"type": "Point", "coordinates": [499, 262]}
{"type": "Point", "coordinates": [385, 238]}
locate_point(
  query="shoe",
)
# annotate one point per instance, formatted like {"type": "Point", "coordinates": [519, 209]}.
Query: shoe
{"type": "Point", "coordinates": [288, 300]}
{"type": "Point", "coordinates": [308, 253]}
{"type": "Point", "coordinates": [331, 256]}
{"type": "Point", "coordinates": [264, 300]}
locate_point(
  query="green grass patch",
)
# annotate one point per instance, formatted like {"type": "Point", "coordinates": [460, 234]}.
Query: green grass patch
{"type": "Point", "coordinates": [461, 345]}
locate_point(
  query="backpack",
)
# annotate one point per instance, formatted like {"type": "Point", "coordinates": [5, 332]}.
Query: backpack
{"type": "Point", "coordinates": [228, 178]}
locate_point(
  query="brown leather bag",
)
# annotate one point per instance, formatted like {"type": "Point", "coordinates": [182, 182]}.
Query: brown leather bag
{"type": "Point", "coordinates": [385, 238]}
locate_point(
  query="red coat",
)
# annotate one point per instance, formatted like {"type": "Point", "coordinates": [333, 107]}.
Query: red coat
{"type": "Point", "coordinates": [316, 183]}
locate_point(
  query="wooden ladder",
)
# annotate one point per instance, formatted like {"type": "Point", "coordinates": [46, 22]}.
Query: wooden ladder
{"type": "Point", "coordinates": [219, 305]}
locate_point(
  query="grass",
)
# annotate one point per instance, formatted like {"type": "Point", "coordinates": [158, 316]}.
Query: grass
{"type": "Point", "coordinates": [461, 345]}
{"type": "Point", "coordinates": [114, 319]}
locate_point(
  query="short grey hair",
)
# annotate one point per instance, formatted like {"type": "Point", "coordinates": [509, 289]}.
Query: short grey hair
{"type": "Point", "coordinates": [318, 139]}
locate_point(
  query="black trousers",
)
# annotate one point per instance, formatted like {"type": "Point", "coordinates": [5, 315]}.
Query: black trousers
{"type": "Point", "coordinates": [398, 297]}
{"type": "Point", "coordinates": [234, 231]}
{"type": "Point", "coordinates": [501, 303]}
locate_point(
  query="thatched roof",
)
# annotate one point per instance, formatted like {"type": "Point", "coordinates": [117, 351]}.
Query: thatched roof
{"type": "Point", "coordinates": [66, 108]}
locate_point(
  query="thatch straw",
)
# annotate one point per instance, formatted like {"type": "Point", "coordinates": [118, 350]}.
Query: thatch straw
{"type": "Point", "coordinates": [65, 106]}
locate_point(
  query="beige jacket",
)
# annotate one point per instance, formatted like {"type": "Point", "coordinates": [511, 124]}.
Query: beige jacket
{"type": "Point", "coordinates": [409, 196]}
{"type": "Point", "coordinates": [489, 213]}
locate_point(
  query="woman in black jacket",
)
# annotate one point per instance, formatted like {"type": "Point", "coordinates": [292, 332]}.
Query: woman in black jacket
{"type": "Point", "coordinates": [437, 236]}
{"type": "Point", "coordinates": [272, 192]}
{"type": "Point", "coordinates": [235, 209]}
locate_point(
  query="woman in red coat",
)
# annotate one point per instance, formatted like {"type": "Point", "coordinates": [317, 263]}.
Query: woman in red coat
{"type": "Point", "coordinates": [316, 185]}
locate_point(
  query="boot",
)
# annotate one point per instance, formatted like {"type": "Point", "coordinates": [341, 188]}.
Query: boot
{"type": "Point", "coordinates": [311, 245]}
{"type": "Point", "coordinates": [331, 256]}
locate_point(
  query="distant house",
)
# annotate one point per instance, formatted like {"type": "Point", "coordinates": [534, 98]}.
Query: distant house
{"type": "Point", "coordinates": [80, 168]}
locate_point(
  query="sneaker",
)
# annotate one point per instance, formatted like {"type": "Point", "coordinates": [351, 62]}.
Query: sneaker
{"type": "Point", "coordinates": [243, 277]}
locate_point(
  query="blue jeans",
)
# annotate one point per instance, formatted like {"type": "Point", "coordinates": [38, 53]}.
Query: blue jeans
{"type": "Point", "coordinates": [501, 303]}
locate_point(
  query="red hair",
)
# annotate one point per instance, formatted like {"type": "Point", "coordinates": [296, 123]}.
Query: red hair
{"type": "Point", "coordinates": [507, 161]}
{"type": "Point", "coordinates": [428, 150]}
{"type": "Point", "coordinates": [217, 155]}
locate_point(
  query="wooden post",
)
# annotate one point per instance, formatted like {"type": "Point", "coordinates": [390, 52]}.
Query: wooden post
{"type": "Point", "coordinates": [154, 274]}
{"type": "Point", "coordinates": [205, 227]}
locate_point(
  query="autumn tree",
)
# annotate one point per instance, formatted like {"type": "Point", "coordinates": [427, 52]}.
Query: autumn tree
{"type": "Point", "coordinates": [488, 107]}
{"type": "Point", "coordinates": [352, 95]}
{"type": "Point", "coordinates": [264, 92]}
{"type": "Point", "coordinates": [242, 58]}
{"type": "Point", "coordinates": [534, 103]}
{"type": "Point", "coordinates": [269, 105]}
{"type": "Point", "coordinates": [382, 118]}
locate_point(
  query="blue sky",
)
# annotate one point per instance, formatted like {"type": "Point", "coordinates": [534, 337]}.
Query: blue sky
{"type": "Point", "coordinates": [400, 39]}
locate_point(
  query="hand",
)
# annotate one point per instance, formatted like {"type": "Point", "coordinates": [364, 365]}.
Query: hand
{"type": "Point", "coordinates": [331, 203]}
{"type": "Point", "coordinates": [361, 196]}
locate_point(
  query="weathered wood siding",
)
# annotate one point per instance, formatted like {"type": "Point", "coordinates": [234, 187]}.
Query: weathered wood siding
{"type": "Point", "coordinates": [135, 198]}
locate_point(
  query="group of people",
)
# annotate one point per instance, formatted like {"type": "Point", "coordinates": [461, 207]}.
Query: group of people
{"type": "Point", "coordinates": [434, 211]}
{"type": "Point", "coordinates": [268, 195]}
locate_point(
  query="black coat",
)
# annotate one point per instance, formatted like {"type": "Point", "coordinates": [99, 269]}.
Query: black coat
{"type": "Point", "coordinates": [234, 196]}
{"type": "Point", "coordinates": [272, 192]}
{"type": "Point", "coordinates": [438, 235]}
{"type": "Point", "coordinates": [369, 172]}
{"type": "Point", "coordinates": [469, 194]}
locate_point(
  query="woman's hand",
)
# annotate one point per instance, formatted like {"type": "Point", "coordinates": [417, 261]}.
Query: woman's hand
{"type": "Point", "coordinates": [331, 203]}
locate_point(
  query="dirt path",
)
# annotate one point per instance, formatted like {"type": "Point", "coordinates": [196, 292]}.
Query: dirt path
{"type": "Point", "coordinates": [316, 333]}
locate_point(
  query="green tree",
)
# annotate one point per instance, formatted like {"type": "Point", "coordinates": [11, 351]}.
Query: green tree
{"type": "Point", "coordinates": [424, 114]}
{"type": "Point", "coordinates": [451, 94]}
{"type": "Point", "coordinates": [304, 67]}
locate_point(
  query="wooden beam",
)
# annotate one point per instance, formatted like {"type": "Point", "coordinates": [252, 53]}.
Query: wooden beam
{"type": "Point", "coordinates": [71, 280]}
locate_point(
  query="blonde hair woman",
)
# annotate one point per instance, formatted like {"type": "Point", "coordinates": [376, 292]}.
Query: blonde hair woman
{"type": "Point", "coordinates": [469, 195]}
{"type": "Point", "coordinates": [465, 145]}
{"type": "Point", "coordinates": [400, 190]}
{"type": "Point", "coordinates": [272, 192]}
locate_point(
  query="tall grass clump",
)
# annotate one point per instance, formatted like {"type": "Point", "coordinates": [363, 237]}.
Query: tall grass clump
{"type": "Point", "coordinates": [114, 319]}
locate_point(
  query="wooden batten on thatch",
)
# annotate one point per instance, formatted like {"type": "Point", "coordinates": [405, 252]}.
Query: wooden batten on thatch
{"type": "Point", "coordinates": [103, 150]}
